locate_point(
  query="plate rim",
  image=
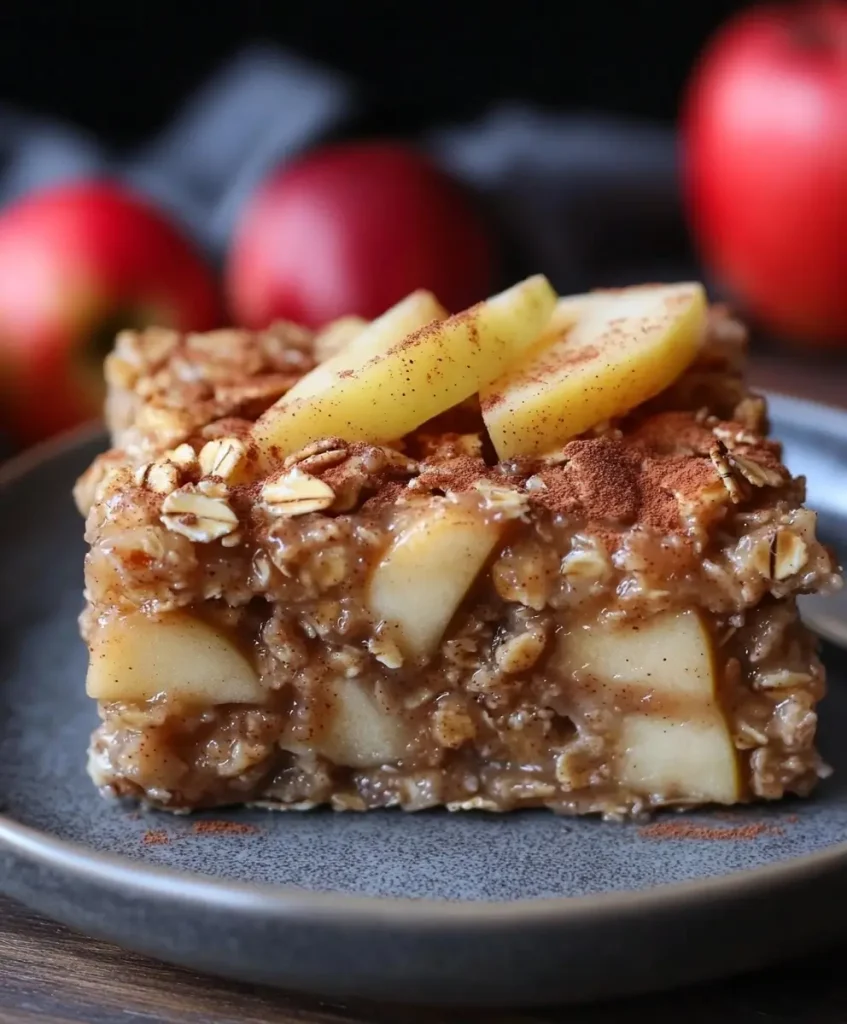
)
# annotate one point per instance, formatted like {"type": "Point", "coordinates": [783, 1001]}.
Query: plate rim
{"type": "Point", "coordinates": [267, 899]}
{"type": "Point", "coordinates": [807, 412]}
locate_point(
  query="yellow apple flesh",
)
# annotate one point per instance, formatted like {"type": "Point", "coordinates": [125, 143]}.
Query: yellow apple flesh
{"type": "Point", "coordinates": [423, 374]}
{"type": "Point", "coordinates": [689, 761]}
{"type": "Point", "coordinates": [427, 571]}
{"type": "Point", "coordinates": [355, 730]}
{"type": "Point", "coordinates": [136, 658]}
{"type": "Point", "coordinates": [374, 339]}
{"type": "Point", "coordinates": [623, 348]}
{"type": "Point", "coordinates": [660, 678]}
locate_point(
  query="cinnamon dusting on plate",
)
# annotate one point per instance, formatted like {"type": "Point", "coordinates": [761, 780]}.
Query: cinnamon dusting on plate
{"type": "Point", "coordinates": [691, 830]}
{"type": "Point", "coordinates": [155, 837]}
{"type": "Point", "coordinates": [222, 828]}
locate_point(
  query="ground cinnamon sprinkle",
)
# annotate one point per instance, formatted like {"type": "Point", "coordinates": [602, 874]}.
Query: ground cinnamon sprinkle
{"type": "Point", "coordinates": [639, 479]}
{"type": "Point", "coordinates": [689, 830]}
{"type": "Point", "coordinates": [674, 433]}
{"type": "Point", "coordinates": [386, 497]}
{"type": "Point", "coordinates": [662, 479]}
{"type": "Point", "coordinates": [605, 478]}
{"type": "Point", "coordinates": [492, 401]}
{"type": "Point", "coordinates": [559, 493]}
{"type": "Point", "coordinates": [455, 475]}
{"type": "Point", "coordinates": [221, 828]}
{"type": "Point", "coordinates": [155, 837]}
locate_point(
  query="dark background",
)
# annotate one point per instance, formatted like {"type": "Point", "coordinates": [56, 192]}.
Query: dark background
{"type": "Point", "coordinates": [119, 69]}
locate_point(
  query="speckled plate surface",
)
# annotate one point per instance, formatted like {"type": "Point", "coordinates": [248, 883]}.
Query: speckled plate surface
{"type": "Point", "coordinates": [524, 908]}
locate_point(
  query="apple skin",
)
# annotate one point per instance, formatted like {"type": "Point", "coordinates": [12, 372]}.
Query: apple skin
{"type": "Point", "coordinates": [353, 229]}
{"type": "Point", "coordinates": [77, 263]}
{"type": "Point", "coordinates": [764, 131]}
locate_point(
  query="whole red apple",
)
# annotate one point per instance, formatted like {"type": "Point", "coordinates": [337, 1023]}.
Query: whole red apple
{"type": "Point", "coordinates": [765, 145]}
{"type": "Point", "coordinates": [77, 263]}
{"type": "Point", "coordinates": [352, 229]}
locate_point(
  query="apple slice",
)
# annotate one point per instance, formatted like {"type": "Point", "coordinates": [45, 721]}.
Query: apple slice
{"type": "Point", "coordinates": [426, 572]}
{"type": "Point", "coordinates": [670, 653]}
{"type": "Point", "coordinates": [335, 336]}
{"type": "Point", "coordinates": [690, 761]}
{"type": "Point", "coordinates": [388, 395]}
{"type": "Point", "coordinates": [135, 658]}
{"type": "Point", "coordinates": [374, 339]}
{"type": "Point", "coordinates": [567, 312]}
{"type": "Point", "coordinates": [660, 675]}
{"type": "Point", "coordinates": [359, 733]}
{"type": "Point", "coordinates": [625, 347]}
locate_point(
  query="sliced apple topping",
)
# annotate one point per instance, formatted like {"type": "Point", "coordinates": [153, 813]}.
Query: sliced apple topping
{"type": "Point", "coordinates": [379, 397]}
{"type": "Point", "coordinates": [661, 679]}
{"type": "Point", "coordinates": [624, 347]}
{"type": "Point", "coordinates": [135, 658]}
{"type": "Point", "coordinates": [336, 335]}
{"type": "Point", "coordinates": [426, 572]}
{"type": "Point", "coordinates": [371, 340]}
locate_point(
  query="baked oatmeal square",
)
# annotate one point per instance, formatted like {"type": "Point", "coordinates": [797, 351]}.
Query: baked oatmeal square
{"type": "Point", "coordinates": [541, 553]}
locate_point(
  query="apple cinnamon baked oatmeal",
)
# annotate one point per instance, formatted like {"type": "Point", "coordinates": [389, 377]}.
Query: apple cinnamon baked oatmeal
{"type": "Point", "coordinates": [541, 553]}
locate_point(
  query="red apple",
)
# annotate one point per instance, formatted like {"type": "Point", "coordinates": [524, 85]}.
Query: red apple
{"type": "Point", "coordinates": [77, 263]}
{"type": "Point", "coordinates": [352, 229]}
{"type": "Point", "coordinates": [765, 139]}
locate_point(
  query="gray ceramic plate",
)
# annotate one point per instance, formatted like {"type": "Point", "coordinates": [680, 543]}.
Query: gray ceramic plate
{"type": "Point", "coordinates": [433, 908]}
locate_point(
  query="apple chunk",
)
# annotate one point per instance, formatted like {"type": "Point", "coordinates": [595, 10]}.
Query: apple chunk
{"type": "Point", "coordinates": [661, 677]}
{"type": "Point", "coordinates": [687, 760]}
{"type": "Point", "coordinates": [135, 658]}
{"type": "Point", "coordinates": [387, 395]}
{"type": "Point", "coordinates": [671, 653]}
{"type": "Point", "coordinates": [426, 572]}
{"type": "Point", "coordinates": [415, 311]}
{"type": "Point", "coordinates": [624, 348]}
{"type": "Point", "coordinates": [358, 731]}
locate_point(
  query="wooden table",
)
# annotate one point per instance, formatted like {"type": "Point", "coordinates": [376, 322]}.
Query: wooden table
{"type": "Point", "coordinates": [50, 975]}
